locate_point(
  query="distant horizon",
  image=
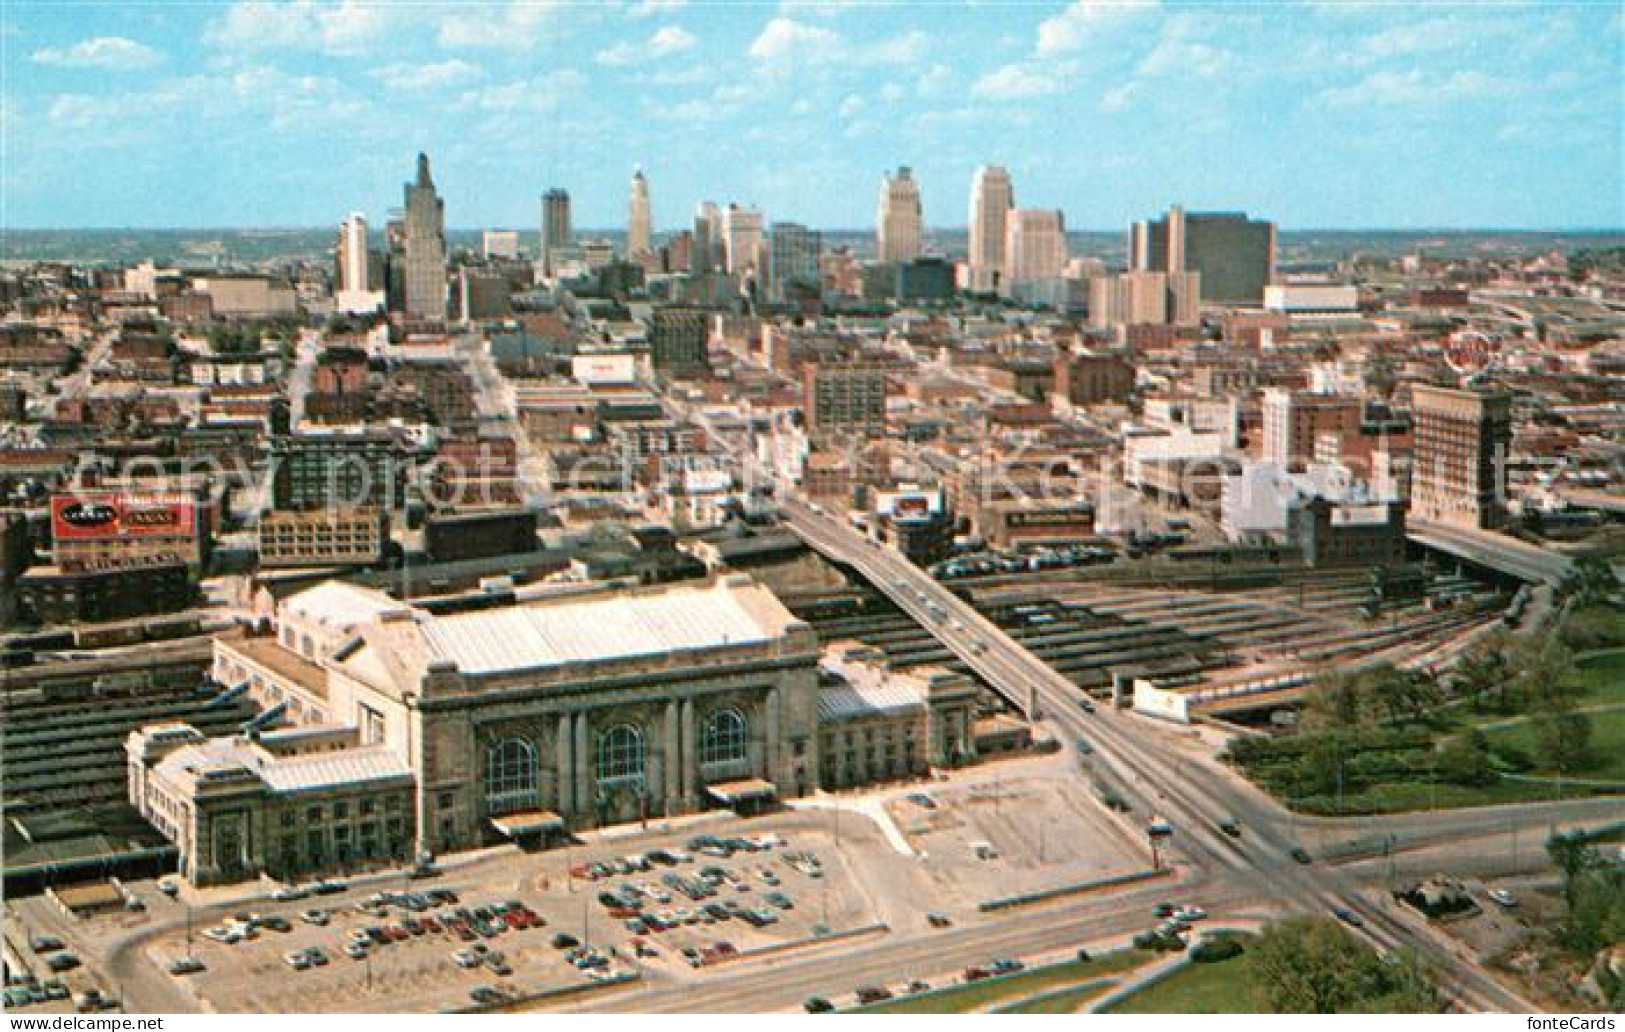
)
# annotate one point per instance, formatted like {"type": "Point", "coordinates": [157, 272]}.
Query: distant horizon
{"type": "Point", "coordinates": [842, 230]}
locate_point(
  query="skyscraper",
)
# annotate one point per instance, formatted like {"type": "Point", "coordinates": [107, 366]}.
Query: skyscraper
{"type": "Point", "coordinates": [639, 232]}
{"type": "Point", "coordinates": [793, 259]}
{"type": "Point", "coordinates": [556, 232]}
{"type": "Point", "coordinates": [424, 281]}
{"type": "Point", "coordinates": [1234, 254]}
{"type": "Point", "coordinates": [899, 225]}
{"type": "Point", "coordinates": [1034, 245]}
{"type": "Point", "coordinates": [742, 239]}
{"type": "Point", "coordinates": [355, 288]}
{"type": "Point", "coordinates": [707, 252]}
{"type": "Point", "coordinates": [1458, 467]}
{"type": "Point", "coordinates": [991, 198]}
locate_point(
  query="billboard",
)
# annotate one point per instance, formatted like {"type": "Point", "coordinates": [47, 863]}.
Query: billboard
{"type": "Point", "coordinates": [107, 517]}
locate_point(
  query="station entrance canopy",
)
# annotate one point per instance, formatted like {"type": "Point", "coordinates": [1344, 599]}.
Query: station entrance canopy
{"type": "Point", "coordinates": [735, 793]}
{"type": "Point", "coordinates": [527, 822]}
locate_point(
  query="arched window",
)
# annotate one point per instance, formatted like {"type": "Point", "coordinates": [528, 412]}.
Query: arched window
{"type": "Point", "coordinates": [722, 740]}
{"type": "Point", "coordinates": [510, 776]}
{"type": "Point", "coordinates": [620, 754]}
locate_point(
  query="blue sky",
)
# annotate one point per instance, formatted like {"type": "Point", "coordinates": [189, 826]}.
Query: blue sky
{"type": "Point", "coordinates": [1315, 115]}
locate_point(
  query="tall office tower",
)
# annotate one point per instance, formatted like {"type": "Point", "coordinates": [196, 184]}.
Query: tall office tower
{"type": "Point", "coordinates": [899, 227]}
{"type": "Point", "coordinates": [639, 232]}
{"type": "Point", "coordinates": [1234, 254]}
{"type": "Point", "coordinates": [1296, 423]}
{"type": "Point", "coordinates": [1458, 463]}
{"type": "Point", "coordinates": [356, 287]}
{"type": "Point", "coordinates": [424, 280]}
{"type": "Point", "coordinates": [1034, 245]}
{"type": "Point", "coordinates": [556, 232]}
{"type": "Point", "coordinates": [678, 341]}
{"type": "Point", "coordinates": [793, 254]}
{"type": "Point", "coordinates": [742, 239]}
{"type": "Point", "coordinates": [1184, 298]}
{"type": "Point", "coordinates": [991, 198]}
{"type": "Point", "coordinates": [707, 251]}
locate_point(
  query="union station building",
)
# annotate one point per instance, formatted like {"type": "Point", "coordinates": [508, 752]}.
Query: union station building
{"type": "Point", "coordinates": [389, 733]}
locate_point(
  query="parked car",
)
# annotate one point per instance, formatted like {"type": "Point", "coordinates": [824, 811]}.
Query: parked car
{"type": "Point", "coordinates": [1504, 898]}
{"type": "Point", "coordinates": [1301, 855]}
{"type": "Point", "coordinates": [936, 920]}
{"type": "Point", "coordinates": [817, 1005]}
{"type": "Point", "coordinates": [185, 966]}
{"type": "Point", "coordinates": [1230, 826]}
{"type": "Point", "coordinates": [1348, 917]}
{"type": "Point", "coordinates": [60, 962]}
{"type": "Point", "coordinates": [45, 944]}
{"type": "Point", "coordinates": [296, 959]}
{"type": "Point", "coordinates": [872, 993]}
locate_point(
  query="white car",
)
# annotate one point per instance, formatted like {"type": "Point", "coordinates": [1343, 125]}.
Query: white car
{"type": "Point", "coordinates": [1503, 897]}
{"type": "Point", "coordinates": [1190, 913]}
{"type": "Point", "coordinates": [355, 950]}
{"type": "Point", "coordinates": [465, 959]}
{"type": "Point", "coordinates": [222, 934]}
{"type": "Point", "coordinates": [315, 917]}
{"type": "Point", "coordinates": [296, 959]}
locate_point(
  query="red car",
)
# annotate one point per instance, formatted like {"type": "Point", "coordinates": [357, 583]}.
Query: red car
{"type": "Point", "coordinates": [430, 925]}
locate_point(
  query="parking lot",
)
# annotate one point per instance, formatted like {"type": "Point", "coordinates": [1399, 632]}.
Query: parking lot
{"type": "Point", "coordinates": [1024, 833]}
{"type": "Point", "coordinates": [656, 907]}
{"type": "Point", "coordinates": [665, 904]}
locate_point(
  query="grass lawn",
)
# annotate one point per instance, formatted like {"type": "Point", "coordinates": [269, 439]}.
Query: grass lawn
{"type": "Point", "coordinates": [1602, 675]}
{"type": "Point", "coordinates": [976, 996]}
{"type": "Point", "coordinates": [1059, 1001]}
{"type": "Point", "coordinates": [1607, 745]}
{"type": "Point", "coordinates": [1218, 988]}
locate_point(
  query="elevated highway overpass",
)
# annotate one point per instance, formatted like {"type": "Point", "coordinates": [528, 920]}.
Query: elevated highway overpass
{"type": "Point", "coordinates": [1192, 798]}
{"type": "Point", "coordinates": [1492, 550]}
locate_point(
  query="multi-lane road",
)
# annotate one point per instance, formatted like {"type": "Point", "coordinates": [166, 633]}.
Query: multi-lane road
{"type": "Point", "coordinates": [1192, 798]}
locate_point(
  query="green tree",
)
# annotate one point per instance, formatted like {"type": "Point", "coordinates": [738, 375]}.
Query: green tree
{"type": "Point", "coordinates": [1464, 759]}
{"type": "Point", "coordinates": [1563, 739]}
{"type": "Point", "coordinates": [1310, 965]}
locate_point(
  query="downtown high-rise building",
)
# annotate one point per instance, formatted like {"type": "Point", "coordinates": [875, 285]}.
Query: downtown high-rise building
{"type": "Point", "coordinates": [899, 224]}
{"type": "Point", "coordinates": [356, 287]}
{"type": "Point", "coordinates": [557, 234]}
{"type": "Point", "coordinates": [1235, 255]}
{"type": "Point", "coordinates": [706, 254]}
{"type": "Point", "coordinates": [1034, 245]}
{"type": "Point", "coordinates": [742, 239]}
{"type": "Point", "coordinates": [423, 280]}
{"type": "Point", "coordinates": [1459, 459]}
{"type": "Point", "coordinates": [991, 198]}
{"type": "Point", "coordinates": [639, 229]}
{"type": "Point", "coordinates": [793, 254]}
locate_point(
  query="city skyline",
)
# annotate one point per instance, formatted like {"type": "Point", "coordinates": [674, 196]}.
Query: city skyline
{"type": "Point", "coordinates": [1109, 112]}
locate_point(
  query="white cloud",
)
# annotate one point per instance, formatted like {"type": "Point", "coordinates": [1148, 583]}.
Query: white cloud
{"type": "Point", "coordinates": [668, 40]}
{"type": "Point", "coordinates": [410, 76]}
{"type": "Point", "coordinates": [1173, 56]}
{"type": "Point", "coordinates": [786, 40]}
{"type": "Point", "coordinates": [934, 80]}
{"type": "Point", "coordinates": [909, 48]}
{"type": "Point", "coordinates": [114, 53]}
{"type": "Point", "coordinates": [852, 106]}
{"type": "Point", "coordinates": [1018, 81]}
{"type": "Point", "coordinates": [513, 26]}
{"type": "Point", "coordinates": [346, 27]}
{"type": "Point", "coordinates": [1412, 88]}
{"type": "Point", "coordinates": [1119, 98]}
{"type": "Point", "coordinates": [1072, 28]}
{"type": "Point", "coordinates": [649, 8]}
{"type": "Point", "coordinates": [543, 93]}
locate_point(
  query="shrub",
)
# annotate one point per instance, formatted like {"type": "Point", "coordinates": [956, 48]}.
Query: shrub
{"type": "Point", "coordinates": [1215, 950]}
